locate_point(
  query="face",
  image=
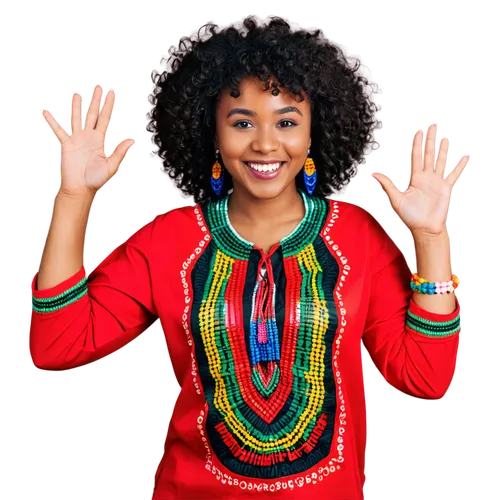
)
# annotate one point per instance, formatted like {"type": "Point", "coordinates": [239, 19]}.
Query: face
{"type": "Point", "coordinates": [260, 127]}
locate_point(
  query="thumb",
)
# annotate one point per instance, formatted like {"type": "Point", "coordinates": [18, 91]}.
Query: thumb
{"type": "Point", "coordinates": [119, 153]}
{"type": "Point", "coordinates": [391, 190]}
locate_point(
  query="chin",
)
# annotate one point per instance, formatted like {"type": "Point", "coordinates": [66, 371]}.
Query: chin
{"type": "Point", "coordinates": [265, 189]}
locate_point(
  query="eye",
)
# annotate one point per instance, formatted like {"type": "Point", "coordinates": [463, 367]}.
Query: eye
{"type": "Point", "coordinates": [289, 121]}
{"type": "Point", "coordinates": [238, 123]}
{"type": "Point", "coordinates": [283, 121]}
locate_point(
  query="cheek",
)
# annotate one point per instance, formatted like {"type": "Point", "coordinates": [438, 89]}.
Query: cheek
{"type": "Point", "coordinates": [296, 143]}
{"type": "Point", "coordinates": [297, 146]}
{"type": "Point", "coordinates": [234, 144]}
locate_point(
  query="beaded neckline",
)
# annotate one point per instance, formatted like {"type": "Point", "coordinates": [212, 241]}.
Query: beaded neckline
{"type": "Point", "coordinates": [227, 238]}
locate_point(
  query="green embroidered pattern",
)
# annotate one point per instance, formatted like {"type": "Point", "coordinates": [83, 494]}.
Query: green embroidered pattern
{"type": "Point", "coordinates": [271, 395]}
{"type": "Point", "coordinates": [49, 304]}
{"type": "Point", "coordinates": [233, 245]}
{"type": "Point", "coordinates": [433, 328]}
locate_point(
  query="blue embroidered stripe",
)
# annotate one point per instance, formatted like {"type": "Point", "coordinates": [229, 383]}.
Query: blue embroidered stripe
{"type": "Point", "coordinates": [433, 328]}
{"type": "Point", "coordinates": [71, 295]}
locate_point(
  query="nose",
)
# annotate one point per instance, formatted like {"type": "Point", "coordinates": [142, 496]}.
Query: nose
{"type": "Point", "coordinates": [266, 140]}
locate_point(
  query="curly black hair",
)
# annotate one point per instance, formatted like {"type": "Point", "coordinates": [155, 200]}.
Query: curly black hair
{"type": "Point", "coordinates": [185, 97]}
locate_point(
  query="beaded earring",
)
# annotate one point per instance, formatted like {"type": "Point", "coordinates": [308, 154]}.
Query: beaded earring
{"type": "Point", "coordinates": [310, 174]}
{"type": "Point", "coordinates": [217, 178]}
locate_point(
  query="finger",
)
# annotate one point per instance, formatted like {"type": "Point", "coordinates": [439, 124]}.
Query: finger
{"type": "Point", "coordinates": [118, 154]}
{"type": "Point", "coordinates": [429, 148]}
{"type": "Point", "coordinates": [58, 130]}
{"type": "Point", "coordinates": [390, 189]}
{"type": "Point", "coordinates": [441, 159]}
{"type": "Point", "coordinates": [455, 174]}
{"type": "Point", "coordinates": [416, 153]}
{"type": "Point", "coordinates": [93, 111]}
{"type": "Point", "coordinates": [105, 116]}
{"type": "Point", "coordinates": [76, 113]}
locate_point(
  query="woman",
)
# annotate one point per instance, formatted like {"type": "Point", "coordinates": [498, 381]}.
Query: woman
{"type": "Point", "coordinates": [265, 288]}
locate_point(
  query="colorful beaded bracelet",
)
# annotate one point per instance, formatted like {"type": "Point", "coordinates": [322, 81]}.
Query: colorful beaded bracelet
{"type": "Point", "coordinates": [424, 286]}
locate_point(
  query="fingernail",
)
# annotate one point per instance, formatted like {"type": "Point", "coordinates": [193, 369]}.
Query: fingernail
{"type": "Point", "coordinates": [435, 123]}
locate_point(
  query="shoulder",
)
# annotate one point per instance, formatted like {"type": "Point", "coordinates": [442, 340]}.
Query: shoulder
{"type": "Point", "coordinates": [355, 222]}
{"type": "Point", "coordinates": [179, 215]}
{"type": "Point", "coordinates": [172, 224]}
{"type": "Point", "coordinates": [353, 215]}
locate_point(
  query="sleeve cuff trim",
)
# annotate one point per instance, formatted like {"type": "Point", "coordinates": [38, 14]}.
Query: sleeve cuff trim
{"type": "Point", "coordinates": [434, 330]}
{"type": "Point", "coordinates": [54, 303]}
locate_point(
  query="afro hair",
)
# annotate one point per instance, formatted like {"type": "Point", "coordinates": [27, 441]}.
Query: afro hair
{"type": "Point", "coordinates": [185, 96]}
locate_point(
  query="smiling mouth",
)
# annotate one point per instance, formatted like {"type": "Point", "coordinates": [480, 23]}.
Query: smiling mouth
{"type": "Point", "coordinates": [264, 164]}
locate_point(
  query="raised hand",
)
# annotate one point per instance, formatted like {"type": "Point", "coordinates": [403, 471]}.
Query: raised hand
{"type": "Point", "coordinates": [423, 207]}
{"type": "Point", "coordinates": [84, 166]}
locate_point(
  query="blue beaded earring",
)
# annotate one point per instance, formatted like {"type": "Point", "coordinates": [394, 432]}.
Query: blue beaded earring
{"type": "Point", "coordinates": [217, 178]}
{"type": "Point", "coordinates": [310, 174]}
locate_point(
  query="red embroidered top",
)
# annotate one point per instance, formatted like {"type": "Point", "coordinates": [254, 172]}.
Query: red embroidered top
{"type": "Point", "coordinates": [266, 347]}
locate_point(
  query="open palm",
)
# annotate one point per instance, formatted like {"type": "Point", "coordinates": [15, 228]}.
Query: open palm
{"type": "Point", "coordinates": [423, 207]}
{"type": "Point", "coordinates": [86, 166]}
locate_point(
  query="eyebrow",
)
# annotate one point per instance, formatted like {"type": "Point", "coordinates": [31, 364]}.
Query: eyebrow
{"type": "Point", "coordinates": [248, 112]}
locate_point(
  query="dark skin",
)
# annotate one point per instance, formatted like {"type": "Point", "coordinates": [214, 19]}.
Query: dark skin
{"type": "Point", "coordinates": [263, 211]}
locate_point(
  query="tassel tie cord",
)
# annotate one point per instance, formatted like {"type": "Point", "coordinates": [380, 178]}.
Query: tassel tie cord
{"type": "Point", "coordinates": [264, 302]}
{"type": "Point", "coordinates": [264, 342]}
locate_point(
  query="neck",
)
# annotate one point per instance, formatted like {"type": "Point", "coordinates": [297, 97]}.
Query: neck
{"type": "Point", "coordinates": [245, 208]}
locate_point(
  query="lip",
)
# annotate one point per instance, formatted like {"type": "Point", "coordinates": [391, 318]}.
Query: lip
{"type": "Point", "coordinates": [265, 162]}
{"type": "Point", "coordinates": [266, 175]}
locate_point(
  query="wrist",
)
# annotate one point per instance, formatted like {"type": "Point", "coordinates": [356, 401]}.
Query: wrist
{"type": "Point", "coordinates": [433, 256]}
{"type": "Point", "coordinates": [422, 237]}
{"type": "Point", "coordinates": [75, 198]}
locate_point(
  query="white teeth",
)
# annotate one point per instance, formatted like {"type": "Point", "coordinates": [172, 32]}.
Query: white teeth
{"type": "Point", "coordinates": [264, 168]}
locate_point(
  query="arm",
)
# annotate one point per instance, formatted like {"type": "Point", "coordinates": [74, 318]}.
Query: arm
{"type": "Point", "coordinates": [78, 319]}
{"type": "Point", "coordinates": [63, 253]}
{"type": "Point", "coordinates": [414, 348]}
{"type": "Point", "coordinates": [434, 264]}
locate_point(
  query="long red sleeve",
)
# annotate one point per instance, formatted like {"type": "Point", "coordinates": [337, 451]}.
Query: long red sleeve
{"type": "Point", "coordinates": [83, 319]}
{"type": "Point", "coordinates": [414, 349]}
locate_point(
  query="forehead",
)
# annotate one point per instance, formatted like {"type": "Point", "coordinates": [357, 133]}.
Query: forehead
{"type": "Point", "coordinates": [254, 97]}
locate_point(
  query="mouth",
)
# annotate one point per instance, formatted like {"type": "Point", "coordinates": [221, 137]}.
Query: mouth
{"type": "Point", "coordinates": [266, 170]}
